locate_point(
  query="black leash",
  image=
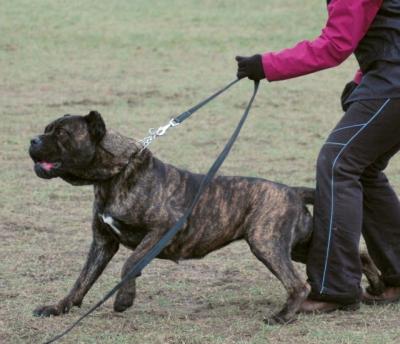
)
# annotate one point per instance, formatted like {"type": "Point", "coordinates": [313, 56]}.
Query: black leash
{"type": "Point", "coordinates": [153, 133]}
{"type": "Point", "coordinates": [167, 237]}
{"type": "Point", "coordinates": [191, 111]}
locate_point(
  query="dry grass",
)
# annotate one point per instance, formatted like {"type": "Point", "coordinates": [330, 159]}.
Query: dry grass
{"type": "Point", "coordinates": [138, 63]}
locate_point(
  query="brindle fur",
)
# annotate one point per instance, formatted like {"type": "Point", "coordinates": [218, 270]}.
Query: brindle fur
{"type": "Point", "coordinates": [146, 197]}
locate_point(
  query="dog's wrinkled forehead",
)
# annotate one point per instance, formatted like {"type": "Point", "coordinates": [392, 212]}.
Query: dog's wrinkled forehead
{"type": "Point", "coordinates": [73, 124]}
{"type": "Point", "coordinates": [79, 126]}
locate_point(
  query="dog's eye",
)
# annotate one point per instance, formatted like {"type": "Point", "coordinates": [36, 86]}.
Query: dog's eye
{"type": "Point", "coordinates": [61, 132]}
{"type": "Point", "coordinates": [48, 128]}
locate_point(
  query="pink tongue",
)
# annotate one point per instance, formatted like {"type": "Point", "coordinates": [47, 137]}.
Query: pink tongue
{"type": "Point", "coordinates": [47, 165]}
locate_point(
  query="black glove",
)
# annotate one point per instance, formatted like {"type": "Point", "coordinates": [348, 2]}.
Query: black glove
{"type": "Point", "coordinates": [347, 91]}
{"type": "Point", "coordinates": [250, 67]}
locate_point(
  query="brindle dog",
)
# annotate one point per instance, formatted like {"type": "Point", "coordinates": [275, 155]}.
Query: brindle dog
{"type": "Point", "coordinates": [138, 198]}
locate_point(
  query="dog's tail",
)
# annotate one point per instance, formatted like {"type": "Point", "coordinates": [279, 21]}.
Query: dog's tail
{"type": "Point", "coordinates": [306, 194]}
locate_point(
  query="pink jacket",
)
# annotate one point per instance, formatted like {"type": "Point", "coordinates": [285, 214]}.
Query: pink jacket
{"type": "Point", "coordinates": [348, 22]}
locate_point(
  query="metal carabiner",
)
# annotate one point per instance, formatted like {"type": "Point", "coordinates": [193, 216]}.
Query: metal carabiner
{"type": "Point", "coordinates": [155, 133]}
{"type": "Point", "coordinates": [162, 130]}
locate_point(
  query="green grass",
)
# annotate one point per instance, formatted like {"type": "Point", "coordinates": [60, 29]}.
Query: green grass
{"type": "Point", "coordinates": [138, 63]}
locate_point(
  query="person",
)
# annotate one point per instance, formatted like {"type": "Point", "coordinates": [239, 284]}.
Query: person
{"type": "Point", "coordinates": [353, 195]}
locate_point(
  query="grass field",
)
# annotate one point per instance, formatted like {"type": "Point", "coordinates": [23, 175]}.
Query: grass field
{"type": "Point", "coordinates": [138, 63]}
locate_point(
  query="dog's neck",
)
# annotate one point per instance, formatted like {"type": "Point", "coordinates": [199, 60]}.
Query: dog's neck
{"type": "Point", "coordinates": [113, 154]}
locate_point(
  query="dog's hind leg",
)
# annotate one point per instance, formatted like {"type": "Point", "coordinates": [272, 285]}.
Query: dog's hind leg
{"type": "Point", "coordinates": [274, 251]}
{"type": "Point", "coordinates": [376, 284]}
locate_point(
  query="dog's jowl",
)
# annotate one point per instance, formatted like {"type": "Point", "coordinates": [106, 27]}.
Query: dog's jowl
{"type": "Point", "coordinates": [138, 198]}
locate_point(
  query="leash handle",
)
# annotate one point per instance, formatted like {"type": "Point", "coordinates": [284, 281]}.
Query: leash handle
{"type": "Point", "coordinates": [167, 237]}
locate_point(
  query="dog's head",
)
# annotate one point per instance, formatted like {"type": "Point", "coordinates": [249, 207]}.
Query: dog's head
{"type": "Point", "coordinates": [67, 147]}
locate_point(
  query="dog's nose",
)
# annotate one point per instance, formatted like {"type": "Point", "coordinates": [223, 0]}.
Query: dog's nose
{"type": "Point", "coordinates": [35, 141]}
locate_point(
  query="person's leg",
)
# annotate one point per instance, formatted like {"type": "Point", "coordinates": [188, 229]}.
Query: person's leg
{"type": "Point", "coordinates": [381, 228]}
{"type": "Point", "coordinates": [381, 221]}
{"type": "Point", "coordinates": [367, 130]}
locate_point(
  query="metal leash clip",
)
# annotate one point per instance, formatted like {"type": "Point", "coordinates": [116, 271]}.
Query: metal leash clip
{"type": "Point", "coordinates": [153, 133]}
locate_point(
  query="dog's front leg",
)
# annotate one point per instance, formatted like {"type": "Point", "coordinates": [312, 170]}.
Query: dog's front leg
{"type": "Point", "coordinates": [102, 249]}
{"type": "Point", "coordinates": [126, 295]}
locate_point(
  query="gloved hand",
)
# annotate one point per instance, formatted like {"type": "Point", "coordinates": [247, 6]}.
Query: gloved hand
{"type": "Point", "coordinates": [347, 91]}
{"type": "Point", "coordinates": [250, 67]}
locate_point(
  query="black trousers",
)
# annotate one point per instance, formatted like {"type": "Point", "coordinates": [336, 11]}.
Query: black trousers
{"type": "Point", "coordinates": [354, 197]}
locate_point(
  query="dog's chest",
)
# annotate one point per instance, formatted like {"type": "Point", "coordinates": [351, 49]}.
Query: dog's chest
{"type": "Point", "coordinates": [127, 235]}
{"type": "Point", "coordinates": [118, 215]}
{"type": "Point", "coordinates": [130, 237]}
{"type": "Point", "coordinates": [118, 202]}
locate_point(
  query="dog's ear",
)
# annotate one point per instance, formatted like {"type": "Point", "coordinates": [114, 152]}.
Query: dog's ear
{"type": "Point", "coordinates": [96, 126]}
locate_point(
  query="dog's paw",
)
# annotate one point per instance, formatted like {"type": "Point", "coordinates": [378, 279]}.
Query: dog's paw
{"type": "Point", "coordinates": [122, 306]}
{"type": "Point", "coordinates": [279, 319]}
{"type": "Point", "coordinates": [60, 308]}
{"type": "Point", "coordinates": [46, 311]}
{"type": "Point", "coordinates": [376, 289]}
{"type": "Point", "coordinates": [123, 301]}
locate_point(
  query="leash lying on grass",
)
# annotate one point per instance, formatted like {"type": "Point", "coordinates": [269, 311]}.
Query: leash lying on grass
{"type": "Point", "coordinates": [157, 248]}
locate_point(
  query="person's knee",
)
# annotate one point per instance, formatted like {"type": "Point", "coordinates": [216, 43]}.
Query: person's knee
{"type": "Point", "coordinates": [325, 160]}
{"type": "Point", "coordinates": [333, 161]}
{"type": "Point", "coordinates": [347, 167]}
